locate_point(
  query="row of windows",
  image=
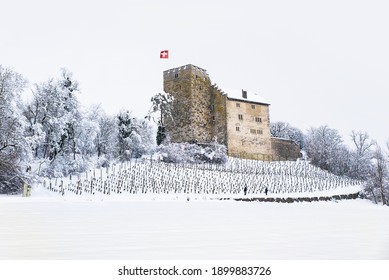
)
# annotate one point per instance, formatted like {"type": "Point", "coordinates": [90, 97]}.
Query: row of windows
{"type": "Point", "coordinates": [252, 105]}
{"type": "Point", "coordinates": [256, 131]}
{"type": "Point", "coordinates": [240, 117]}
{"type": "Point", "coordinates": [252, 131]}
{"type": "Point", "coordinates": [176, 76]}
{"type": "Point", "coordinates": [257, 119]}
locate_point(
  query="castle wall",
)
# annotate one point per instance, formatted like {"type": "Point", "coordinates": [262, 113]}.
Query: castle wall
{"type": "Point", "coordinates": [284, 149]}
{"type": "Point", "coordinates": [248, 130]}
{"type": "Point", "coordinates": [219, 115]}
{"type": "Point", "coordinates": [189, 85]}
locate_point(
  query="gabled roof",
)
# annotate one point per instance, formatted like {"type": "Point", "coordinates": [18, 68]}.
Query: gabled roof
{"type": "Point", "coordinates": [251, 97]}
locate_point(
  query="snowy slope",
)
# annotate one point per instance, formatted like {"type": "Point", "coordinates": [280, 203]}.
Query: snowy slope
{"type": "Point", "coordinates": [287, 179]}
{"type": "Point", "coordinates": [150, 210]}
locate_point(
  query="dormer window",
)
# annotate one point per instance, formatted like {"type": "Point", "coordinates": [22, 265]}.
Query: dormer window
{"type": "Point", "coordinates": [244, 94]}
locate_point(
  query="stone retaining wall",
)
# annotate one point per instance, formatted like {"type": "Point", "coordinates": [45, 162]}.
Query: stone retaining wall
{"type": "Point", "coordinates": [298, 199]}
{"type": "Point", "coordinates": [284, 149]}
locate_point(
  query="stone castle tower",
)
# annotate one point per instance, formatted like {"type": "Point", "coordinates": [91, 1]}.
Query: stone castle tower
{"type": "Point", "coordinates": [188, 85]}
{"type": "Point", "coordinates": [203, 113]}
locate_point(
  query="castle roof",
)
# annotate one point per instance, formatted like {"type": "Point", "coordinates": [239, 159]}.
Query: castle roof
{"type": "Point", "coordinates": [246, 96]}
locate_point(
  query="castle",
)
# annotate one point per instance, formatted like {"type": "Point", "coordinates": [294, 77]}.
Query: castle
{"type": "Point", "coordinates": [240, 120]}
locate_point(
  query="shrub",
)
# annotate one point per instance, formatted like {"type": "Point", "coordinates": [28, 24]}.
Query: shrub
{"type": "Point", "coordinates": [193, 153]}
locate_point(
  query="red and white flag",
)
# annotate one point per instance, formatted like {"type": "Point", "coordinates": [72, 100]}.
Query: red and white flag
{"type": "Point", "coordinates": [164, 54]}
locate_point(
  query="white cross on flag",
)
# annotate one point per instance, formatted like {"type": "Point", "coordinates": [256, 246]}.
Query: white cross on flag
{"type": "Point", "coordinates": [164, 54]}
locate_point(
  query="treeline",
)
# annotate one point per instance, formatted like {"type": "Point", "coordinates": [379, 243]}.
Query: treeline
{"type": "Point", "coordinates": [50, 135]}
{"type": "Point", "coordinates": [366, 160]}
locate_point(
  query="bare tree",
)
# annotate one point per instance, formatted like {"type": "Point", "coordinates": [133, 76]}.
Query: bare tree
{"type": "Point", "coordinates": [324, 146]}
{"type": "Point", "coordinates": [381, 173]}
{"type": "Point", "coordinates": [361, 156]}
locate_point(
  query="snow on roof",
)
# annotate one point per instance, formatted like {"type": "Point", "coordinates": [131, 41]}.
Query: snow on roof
{"type": "Point", "coordinates": [250, 96]}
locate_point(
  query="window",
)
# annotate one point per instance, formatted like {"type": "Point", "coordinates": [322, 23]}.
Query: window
{"type": "Point", "coordinates": [244, 94]}
{"type": "Point", "coordinates": [240, 116]}
{"type": "Point", "coordinates": [237, 104]}
{"type": "Point", "coordinates": [252, 106]}
{"type": "Point", "coordinates": [258, 119]}
{"type": "Point", "coordinates": [175, 75]}
{"type": "Point", "coordinates": [256, 131]}
{"type": "Point", "coordinates": [237, 128]}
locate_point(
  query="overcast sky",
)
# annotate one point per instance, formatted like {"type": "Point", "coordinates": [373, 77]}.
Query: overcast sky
{"type": "Point", "coordinates": [316, 62]}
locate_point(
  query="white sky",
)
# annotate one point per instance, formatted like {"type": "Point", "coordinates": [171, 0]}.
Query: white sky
{"type": "Point", "coordinates": [316, 62]}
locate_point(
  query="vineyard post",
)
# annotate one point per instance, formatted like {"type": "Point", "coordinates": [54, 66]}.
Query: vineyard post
{"type": "Point", "coordinates": [78, 187]}
{"type": "Point", "coordinates": [62, 188]}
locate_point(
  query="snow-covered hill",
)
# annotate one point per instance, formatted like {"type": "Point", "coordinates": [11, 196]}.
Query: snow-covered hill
{"type": "Point", "coordinates": [282, 179]}
{"type": "Point", "coordinates": [152, 210]}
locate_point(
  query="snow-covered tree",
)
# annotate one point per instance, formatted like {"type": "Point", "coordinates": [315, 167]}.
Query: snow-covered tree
{"type": "Point", "coordinates": [55, 123]}
{"type": "Point", "coordinates": [136, 137]}
{"type": "Point", "coordinates": [88, 130]}
{"type": "Point", "coordinates": [193, 153]}
{"type": "Point", "coordinates": [361, 155]}
{"type": "Point", "coordinates": [143, 141]}
{"type": "Point", "coordinates": [13, 147]}
{"type": "Point", "coordinates": [324, 146]}
{"type": "Point", "coordinates": [162, 103]}
{"type": "Point", "coordinates": [377, 181]}
{"type": "Point", "coordinates": [53, 115]}
{"type": "Point", "coordinates": [107, 137]}
{"type": "Point", "coordinates": [125, 129]}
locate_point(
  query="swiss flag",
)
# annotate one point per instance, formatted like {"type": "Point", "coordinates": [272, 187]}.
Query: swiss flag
{"type": "Point", "coordinates": [164, 54]}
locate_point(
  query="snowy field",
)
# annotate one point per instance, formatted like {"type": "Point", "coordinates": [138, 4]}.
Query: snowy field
{"type": "Point", "coordinates": [102, 227]}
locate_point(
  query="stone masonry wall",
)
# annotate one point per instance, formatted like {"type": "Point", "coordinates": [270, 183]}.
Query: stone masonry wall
{"type": "Point", "coordinates": [219, 115]}
{"type": "Point", "coordinates": [300, 199]}
{"type": "Point", "coordinates": [284, 149]}
{"type": "Point", "coordinates": [192, 119]}
{"type": "Point", "coordinates": [201, 102]}
{"type": "Point", "coordinates": [248, 136]}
